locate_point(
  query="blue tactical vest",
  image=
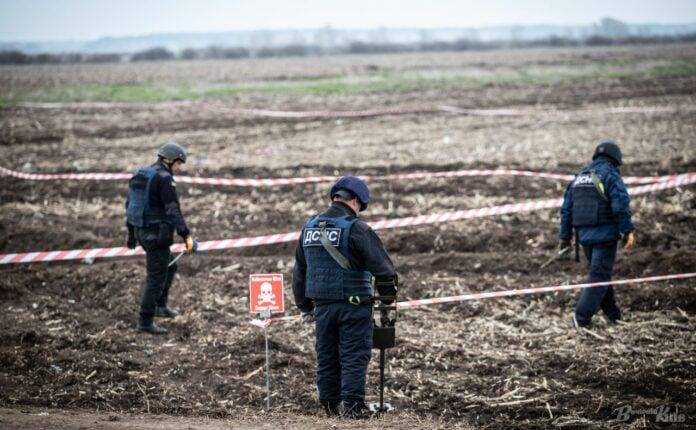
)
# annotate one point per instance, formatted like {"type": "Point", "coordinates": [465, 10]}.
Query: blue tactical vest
{"type": "Point", "coordinates": [140, 213]}
{"type": "Point", "coordinates": [591, 205]}
{"type": "Point", "coordinates": [325, 278]}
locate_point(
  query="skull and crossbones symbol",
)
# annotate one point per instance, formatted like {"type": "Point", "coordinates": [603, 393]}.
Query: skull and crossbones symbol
{"type": "Point", "coordinates": [266, 294]}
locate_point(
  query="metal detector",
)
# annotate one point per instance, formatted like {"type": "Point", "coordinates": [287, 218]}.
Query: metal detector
{"type": "Point", "coordinates": [561, 254]}
{"type": "Point", "coordinates": [175, 259]}
{"type": "Point", "coordinates": [383, 338]}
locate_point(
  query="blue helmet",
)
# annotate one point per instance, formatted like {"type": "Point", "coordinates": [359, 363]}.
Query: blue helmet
{"type": "Point", "coordinates": [608, 149]}
{"type": "Point", "coordinates": [356, 187]}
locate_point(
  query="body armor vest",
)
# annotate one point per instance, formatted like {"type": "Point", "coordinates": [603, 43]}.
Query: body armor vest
{"type": "Point", "coordinates": [325, 278]}
{"type": "Point", "coordinates": [591, 206]}
{"type": "Point", "coordinates": [139, 212]}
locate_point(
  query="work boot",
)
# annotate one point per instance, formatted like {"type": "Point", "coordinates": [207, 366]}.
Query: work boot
{"type": "Point", "coordinates": [331, 409]}
{"type": "Point", "coordinates": [166, 312]}
{"type": "Point", "coordinates": [354, 410]}
{"type": "Point", "coordinates": [577, 326]}
{"type": "Point", "coordinates": [616, 321]}
{"type": "Point", "coordinates": [151, 328]}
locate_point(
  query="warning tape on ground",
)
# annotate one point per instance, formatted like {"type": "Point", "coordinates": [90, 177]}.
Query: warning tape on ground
{"type": "Point", "coordinates": [272, 182]}
{"type": "Point", "coordinates": [91, 254]}
{"type": "Point", "coordinates": [408, 304]}
{"type": "Point", "coordinates": [364, 113]}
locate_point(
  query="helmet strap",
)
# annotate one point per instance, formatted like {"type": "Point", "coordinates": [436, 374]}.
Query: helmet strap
{"type": "Point", "coordinates": [167, 164]}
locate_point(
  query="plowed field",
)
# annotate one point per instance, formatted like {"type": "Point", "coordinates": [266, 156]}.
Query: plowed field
{"type": "Point", "coordinates": [68, 343]}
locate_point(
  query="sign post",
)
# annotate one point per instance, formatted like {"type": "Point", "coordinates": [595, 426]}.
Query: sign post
{"type": "Point", "coordinates": [266, 297]}
{"type": "Point", "coordinates": [265, 315]}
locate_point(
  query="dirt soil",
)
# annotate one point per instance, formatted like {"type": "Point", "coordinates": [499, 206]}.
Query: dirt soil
{"type": "Point", "coordinates": [69, 355]}
{"type": "Point", "coordinates": [50, 419]}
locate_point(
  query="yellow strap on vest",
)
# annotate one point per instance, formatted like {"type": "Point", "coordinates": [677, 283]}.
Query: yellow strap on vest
{"type": "Point", "coordinates": [354, 300]}
{"type": "Point", "coordinates": [597, 182]}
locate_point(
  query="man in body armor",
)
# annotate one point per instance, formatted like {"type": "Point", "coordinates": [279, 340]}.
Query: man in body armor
{"type": "Point", "coordinates": [336, 258]}
{"type": "Point", "coordinates": [597, 206]}
{"type": "Point", "coordinates": [152, 215]}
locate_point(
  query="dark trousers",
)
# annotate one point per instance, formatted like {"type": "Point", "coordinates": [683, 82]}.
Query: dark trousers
{"type": "Point", "coordinates": [600, 264]}
{"type": "Point", "coordinates": [159, 274]}
{"type": "Point", "coordinates": [344, 348]}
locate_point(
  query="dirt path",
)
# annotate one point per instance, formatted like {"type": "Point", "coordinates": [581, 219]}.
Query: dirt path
{"type": "Point", "coordinates": [59, 419]}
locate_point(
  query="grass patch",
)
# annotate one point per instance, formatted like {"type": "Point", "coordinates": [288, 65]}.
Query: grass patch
{"type": "Point", "coordinates": [682, 68]}
{"type": "Point", "coordinates": [124, 93]}
{"type": "Point", "coordinates": [360, 84]}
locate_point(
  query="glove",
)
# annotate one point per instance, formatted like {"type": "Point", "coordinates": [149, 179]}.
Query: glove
{"type": "Point", "coordinates": [628, 241]}
{"type": "Point", "coordinates": [191, 245]}
{"type": "Point", "coordinates": [387, 287]}
{"type": "Point", "coordinates": [130, 242]}
{"type": "Point", "coordinates": [564, 245]}
{"type": "Point", "coordinates": [308, 316]}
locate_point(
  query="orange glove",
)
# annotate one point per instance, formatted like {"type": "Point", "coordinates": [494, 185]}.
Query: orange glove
{"type": "Point", "coordinates": [629, 241]}
{"type": "Point", "coordinates": [191, 245]}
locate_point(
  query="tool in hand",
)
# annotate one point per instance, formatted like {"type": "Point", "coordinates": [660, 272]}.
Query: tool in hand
{"type": "Point", "coordinates": [555, 257]}
{"type": "Point", "coordinates": [176, 258]}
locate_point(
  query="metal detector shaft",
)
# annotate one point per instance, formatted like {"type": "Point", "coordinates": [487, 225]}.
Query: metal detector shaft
{"type": "Point", "coordinates": [176, 258]}
{"type": "Point", "coordinates": [384, 337]}
{"type": "Point", "coordinates": [382, 353]}
{"type": "Point", "coordinates": [555, 257]}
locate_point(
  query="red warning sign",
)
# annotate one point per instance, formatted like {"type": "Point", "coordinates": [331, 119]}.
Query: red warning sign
{"type": "Point", "coordinates": [266, 293]}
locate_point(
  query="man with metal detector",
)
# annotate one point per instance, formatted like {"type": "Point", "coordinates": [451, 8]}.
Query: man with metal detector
{"type": "Point", "coordinates": [152, 215]}
{"type": "Point", "coordinates": [336, 258]}
{"type": "Point", "coordinates": [597, 206]}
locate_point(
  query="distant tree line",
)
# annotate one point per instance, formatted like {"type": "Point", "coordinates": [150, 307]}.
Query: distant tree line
{"type": "Point", "coordinates": [299, 50]}
{"type": "Point", "coordinates": [17, 57]}
{"type": "Point", "coordinates": [475, 45]}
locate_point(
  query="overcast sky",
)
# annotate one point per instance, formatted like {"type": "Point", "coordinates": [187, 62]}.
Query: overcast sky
{"type": "Point", "coordinates": [51, 20]}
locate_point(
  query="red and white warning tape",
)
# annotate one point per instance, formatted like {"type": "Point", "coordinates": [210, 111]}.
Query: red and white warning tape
{"type": "Point", "coordinates": [272, 182]}
{"type": "Point", "coordinates": [269, 113]}
{"type": "Point", "coordinates": [510, 172]}
{"type": "Point", "coordinates": [65, 176]}
{"type": "Point", "coordinates": [333, 114]}
{"type": "Point", "coordinates": [533, 205]}
{"type": "Point", "coordinates": [408, 304]}
{"type": "Point", "coordinates": [90, 254]}
{"type": "Point", "coordinates": [524, 291]}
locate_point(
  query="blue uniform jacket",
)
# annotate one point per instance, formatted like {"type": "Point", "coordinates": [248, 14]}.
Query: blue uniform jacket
{"type": "Point", "coordinates": [366, 253]}
{"type": "Point", "coordinates": [615, 191]}
{"type": "Point", "coordinates": [163, 194]}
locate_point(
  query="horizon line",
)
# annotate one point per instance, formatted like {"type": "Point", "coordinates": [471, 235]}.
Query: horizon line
{"type": "Point", "coordinates": [280, 29]}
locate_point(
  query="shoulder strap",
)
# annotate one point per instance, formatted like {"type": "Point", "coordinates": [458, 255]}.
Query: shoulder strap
{"type": "Point", "coordinates": [333, 252]}
{"type": "Point", "coordinates": [597, 182]}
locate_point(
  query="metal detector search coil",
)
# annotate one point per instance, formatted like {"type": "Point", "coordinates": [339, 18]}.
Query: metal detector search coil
{"type": "Point", "coordinates": [383, 338]}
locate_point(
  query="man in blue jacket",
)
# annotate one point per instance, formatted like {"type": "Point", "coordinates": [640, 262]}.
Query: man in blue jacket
{"type": "Point", "coordinates": [596, 204]}
{"type": "Point", "coordinates": [336, 258]}
{"type": "Point", "coordinates": [152, 215]}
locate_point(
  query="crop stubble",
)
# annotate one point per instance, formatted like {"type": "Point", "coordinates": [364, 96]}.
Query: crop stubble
{"type": "Point", "coordinates": [69, 343]}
